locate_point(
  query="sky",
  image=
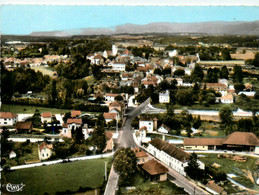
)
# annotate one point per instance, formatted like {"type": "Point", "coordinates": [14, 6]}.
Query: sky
{"type": "Point", "coordinates": [25, 19]}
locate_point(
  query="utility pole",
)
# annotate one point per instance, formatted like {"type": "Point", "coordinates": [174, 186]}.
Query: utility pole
{"type": "Point", "coordinates": [105, 170]}
{"type": "Point", "coordinates": [117, 126]}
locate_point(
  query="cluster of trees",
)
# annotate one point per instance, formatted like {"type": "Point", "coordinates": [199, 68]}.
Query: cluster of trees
{"type": "Point", "coordinates": [21, 81]}
{"type": "Point", "coordinates": [243, 124]}
{"type": "Point", "coordinates": [141, 51]}
{"type": "Point", "coordinates": [76, 69]}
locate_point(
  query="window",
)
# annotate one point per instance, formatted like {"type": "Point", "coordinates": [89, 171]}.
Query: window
{"type": "Point", "coordinates": [42, 155]}
{"type": "Point", "coordinates": [47, 154]}
{"type": "Point", "coordinates": [5, 123]}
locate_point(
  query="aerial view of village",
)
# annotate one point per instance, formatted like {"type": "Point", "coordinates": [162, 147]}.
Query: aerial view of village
{"type": "Point", "coordinates": [129, 100]}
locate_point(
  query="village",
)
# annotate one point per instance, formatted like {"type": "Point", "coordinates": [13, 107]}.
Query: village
{"type": "Point", "coordinates": [184, 111]}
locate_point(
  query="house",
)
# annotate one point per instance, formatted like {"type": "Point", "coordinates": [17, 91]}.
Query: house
{"type": "Point", "coordinates": [116, 105]}
{"type": "Point", "coordinates": [171, 155]}
{"type": "Point", "coordinates": [148, 122]}
{"type": "Point", "coordinates": [97, 59]}
{"type": "Point", "coordinates": [155, 170]}
{"type": "Point", "coordinates": [109, 116]}
{"type": "Point", "coordinates": [12, 154]}
{"type": "Point", "coordinates": [7, 119]}
{"type": "Point", "coordinates": [75, 113]}
{"type": "Point", "coordinates": [237, 141]}
{"type": "Point", "coordinates": [150, 80]}
{"type": "Point", "coordinates": [110, 97]}
{"type": "Point", "coordinates": [109, 141]}
{"type": "Point", "coordinates": [119, 66]}
{"type": "Point", "coordinates": [24, 127]}
{"type": "Point", "coordinates": [141, 156]}
{"type": "Point", "coordinates": [73, 122]}
{"type": "Point", "coordinates": [163, 129]}
{"type": "Point", "coordinates": [66, 132]}
{"type": "Point", "coordinates": [218, 87]}
{"type": "Point", "coordinates": [45, 151]}
{"type": "Point", "coordinates": [227, 99]}
{"type": "Point", "coordinates": [46, 117]}
{"type": "Point", "coordinates": [214, 188]}
{"type": "Point", "coordinates": [164, 97]}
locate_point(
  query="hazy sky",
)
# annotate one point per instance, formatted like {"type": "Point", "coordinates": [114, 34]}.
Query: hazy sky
{"type": "Point", "coordinates": [25, 19]}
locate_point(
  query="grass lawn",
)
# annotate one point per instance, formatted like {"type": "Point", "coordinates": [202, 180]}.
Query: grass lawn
{"type": "Point", "coordinates": [231, 166]}
{"type": "Point", "coordinates": [144, 186]}
{"type": "Point", "coordinates": [24, 109]}
{"type": "Point", "coordinates": [90, 80]}
{"type": "Point", "coordinates": [60, 177]}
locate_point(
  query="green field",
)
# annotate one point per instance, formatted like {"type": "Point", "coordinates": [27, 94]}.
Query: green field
{"type": "Point", "coordinates": [59, 178]}
{"type": "Point", "coordinates": [24, 109]}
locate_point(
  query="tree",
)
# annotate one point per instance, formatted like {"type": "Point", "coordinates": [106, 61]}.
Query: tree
{"type": "Point", "coordinates": [197, 74]}
{"type": "Point", "coordinates": [193, 170]}
{"type": "Point", "coordinates": [79, 136]}
{"type": "Point", "coordinates": [197, 122]}
{"type": "Point", "coordinates": [98, 136]}
{"type": "Point", "coordinates": [158, 71]}
{"type": "Point", "coordinates": [239, 87]}
{"type": "Point", "coordinates": [255, 61]}
{"type": "Point", "coordinates": [226, 115]}
{"type": "Point", "coordinates": [184, 96]}
{"type": "Point", "coordinates": [179, 72]}
{"type": "Point", "coordinates": [125, 163]}
{"type": "Point", "coordinates": [170, 110]}
{"type": "Point", "coordinates": [224, 72]}
{"type": "Point", "coordinates": [36, 119]}
{"type": "Point", "coordinates": [238, 74]}
{"type": "Point", "coordinates": [118, 98]}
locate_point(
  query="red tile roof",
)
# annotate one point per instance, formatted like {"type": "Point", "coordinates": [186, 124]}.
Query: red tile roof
{"type": "Point", "coordinates": [203, 141]}
{"type": "Point", "coordinates": [44, 145]}
{"type": "Point", "coordinates": [170, 149]}
{"type": "Point", "coordinates": [75, 120]}
{"type": "Point", "coordinates": [7, 115]}
{"type": "Point", "coordinates": [242, 138]}
{"type": "Point", "coordinates": [46, 115]}
{"type": "Point", "coordinates": [154, 168]}
{"type": "Point", "coordinates": [108, 115]}
{"type": "Point", "coordinates": [24, 125]}
{"type": "Point", "coordinates": [75, 113]}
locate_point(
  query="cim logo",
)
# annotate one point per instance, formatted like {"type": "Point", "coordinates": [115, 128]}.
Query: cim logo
{"type": "Point", "coordinates": [14, 187]}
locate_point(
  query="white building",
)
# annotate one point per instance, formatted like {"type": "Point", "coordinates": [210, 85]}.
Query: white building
{"type": "Point", "coordinates": [45, 151]}
{"type": "Point", "coordinates": [12, 154]}
{"type": "Point", "coordinates": [227, 99]}
{"type": "Point", "coordinates": [110, 97]}
{"type": "Point", "coordinates": [171, 155]}
{"type": "Point", "coordinates": [163, 129]}
{"type": "Point", "coordinates": [7, 119]}
{"type": "Point", "coordinates": [172, 53]}
{"type": "Point", "coordinates": [118, 66]}
{"type": "Point", "coordinates": [148, 122]}
{"type": "Point", "coordinates": [164, 97]}
{"type": "Point", "coordinates": [247, 93]}
{"type": "Point", "coordinates": [114, 50]}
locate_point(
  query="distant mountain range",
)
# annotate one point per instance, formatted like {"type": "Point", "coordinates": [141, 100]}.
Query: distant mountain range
{"type": "Point", "coordinates": [210, 28]}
